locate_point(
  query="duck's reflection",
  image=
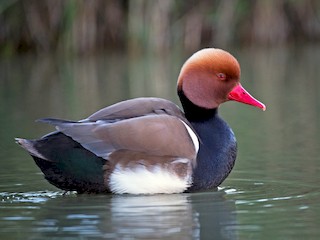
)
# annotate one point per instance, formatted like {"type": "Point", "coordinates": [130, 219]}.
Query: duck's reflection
{"type": "Point", "coordinates": [206, 215]}
{"type": "Point", "coordinates": [154, 217]}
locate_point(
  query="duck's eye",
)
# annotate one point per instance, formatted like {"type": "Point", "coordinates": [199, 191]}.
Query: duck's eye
{"type": "Point", "coordinates": [221, 76]}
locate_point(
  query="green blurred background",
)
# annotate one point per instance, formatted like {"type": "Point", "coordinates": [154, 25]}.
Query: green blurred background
{"type": "Point", "coordinates": [90, 26]}
{"type": "Point", "coordinates": [68, 58]}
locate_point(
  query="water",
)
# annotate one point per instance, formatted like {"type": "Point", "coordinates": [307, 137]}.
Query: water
{"type": "Point", "coordinates": [272, 193]}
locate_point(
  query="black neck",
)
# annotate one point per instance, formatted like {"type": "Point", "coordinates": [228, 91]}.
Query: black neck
{"type": "Point", "coordinates": [218, 147]}
{"type": "Point", "coordinates": [193, 112]}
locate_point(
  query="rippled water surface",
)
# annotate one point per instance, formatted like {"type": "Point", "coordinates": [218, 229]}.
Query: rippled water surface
{"type": "Point", "coordinates": [272, 193]}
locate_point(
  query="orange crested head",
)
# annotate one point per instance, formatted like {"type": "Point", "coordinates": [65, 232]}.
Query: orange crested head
{"type": "Point", "coordinates": [209, 77]}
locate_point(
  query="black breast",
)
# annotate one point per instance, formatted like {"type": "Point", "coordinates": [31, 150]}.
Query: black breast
{"type": "Point", "coordinates": [218, 146]}
{"type": "Point", "coordinates": [217, 153]}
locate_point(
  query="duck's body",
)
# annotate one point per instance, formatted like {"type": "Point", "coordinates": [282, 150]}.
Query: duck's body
{"type": "Point", "coordinates": [148, 145]}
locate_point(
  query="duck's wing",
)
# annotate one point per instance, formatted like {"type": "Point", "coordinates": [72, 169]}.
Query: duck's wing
{"type": "Point", "coordinates": [151, 126]}
{"type": "Point", "coordinates": [137, 107]}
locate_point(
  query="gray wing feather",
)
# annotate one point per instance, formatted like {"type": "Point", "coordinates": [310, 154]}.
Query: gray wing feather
{"type": "Point", "coordinates": [142, 124]}
{"type": "Point", "coordinates": [137, 107]}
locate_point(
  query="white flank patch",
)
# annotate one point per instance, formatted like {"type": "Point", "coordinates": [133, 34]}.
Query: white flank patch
{"type": "Point", "coordinates": [193, 136]}
{"type": "Point", "coordinates": [141, 180]}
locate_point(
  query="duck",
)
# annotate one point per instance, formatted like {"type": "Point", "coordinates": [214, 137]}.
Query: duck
{"type": "Point", "coordinates": [150, 145]}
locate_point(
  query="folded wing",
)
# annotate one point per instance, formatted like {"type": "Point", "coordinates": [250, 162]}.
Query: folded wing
{"type": "Point", "coordinates": [149, 125]}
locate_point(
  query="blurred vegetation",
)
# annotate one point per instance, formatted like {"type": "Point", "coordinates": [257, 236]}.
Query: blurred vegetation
{"type": "Point", "coordinates": [89, 26]}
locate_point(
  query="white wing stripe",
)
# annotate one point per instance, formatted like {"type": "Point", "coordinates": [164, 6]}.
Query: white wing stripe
{"type": "Point", "coordinates": [193, 136]}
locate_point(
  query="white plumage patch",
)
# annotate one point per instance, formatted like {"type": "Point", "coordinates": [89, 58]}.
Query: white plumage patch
{"type": "Point", "coordinates": [193, 136]}
{"type": "Point", "coordinates": [141, 180]}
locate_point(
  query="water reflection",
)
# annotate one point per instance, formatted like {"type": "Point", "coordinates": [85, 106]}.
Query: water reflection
{"type": "Point", "coordinates": [272, 192]}
{"type": "Point", "coordinates": [153, 217]}
{"type": "Point", "coordinates": [180, 216]}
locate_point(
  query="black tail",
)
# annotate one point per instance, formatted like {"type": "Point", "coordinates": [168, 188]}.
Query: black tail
{"type": "Point", "coordinates": [66, 164]}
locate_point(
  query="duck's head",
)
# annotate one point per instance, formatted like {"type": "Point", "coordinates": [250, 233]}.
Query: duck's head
{"type": "Point", "coordinates": [212, 76]}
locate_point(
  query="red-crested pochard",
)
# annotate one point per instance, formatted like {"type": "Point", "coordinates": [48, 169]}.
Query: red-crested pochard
{"type": "Point", "coordinates": [148, 145]}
